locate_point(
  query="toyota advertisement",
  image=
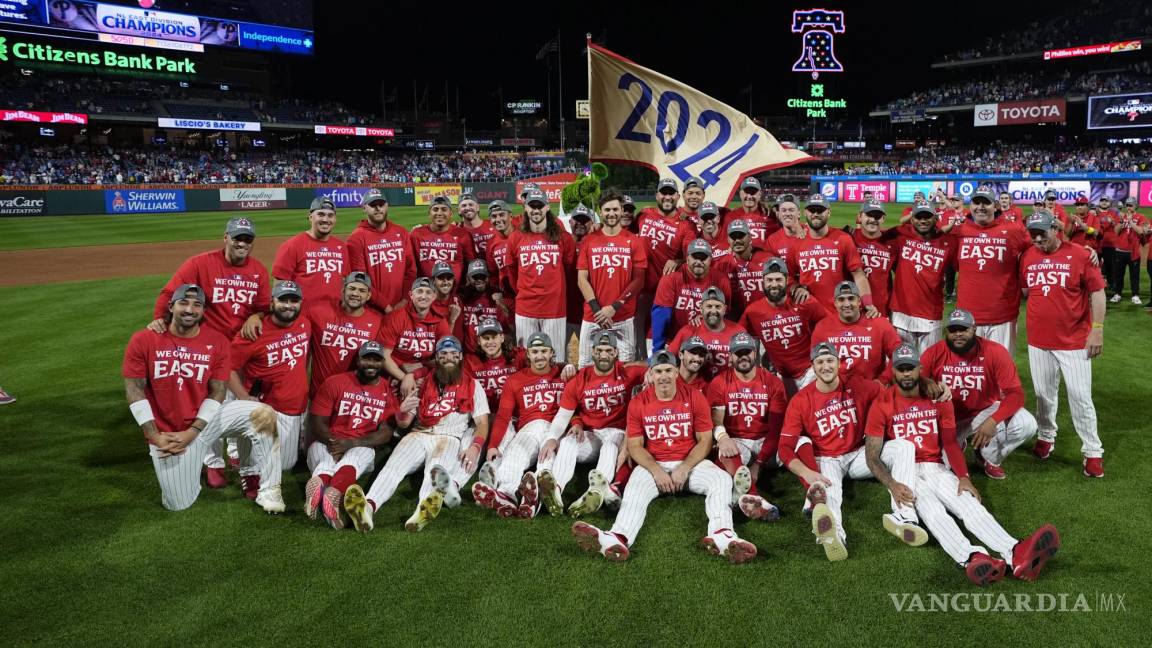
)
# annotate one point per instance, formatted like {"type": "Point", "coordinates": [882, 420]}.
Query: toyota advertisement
{"type": "Point", "coordinates": [1120, 111]}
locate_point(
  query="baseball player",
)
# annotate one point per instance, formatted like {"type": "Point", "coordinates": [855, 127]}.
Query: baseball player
{"type": "Point", "coordinates": [495, 359]}
{"type": "Point", "coordinates": [677, 301]}
{"type": "Point", "coordinates": [235, 283]}
{"type": "Point", "coordinates": [988, 399]}
{"type": "Point", "coordinates": [1009, 213]}
{"type": "Point", "coordinates": [923, 254]}
{"type": "Point", "coordinates": [664, 233]}
{"type": "Point", "coordinates": [610, 273]}
{"type": "Point", "coordinates": [1065, 320]}
{"type": "Point", "coordinates": [693, 195]}
{"type": "Point", "coordinates": [541, 254]}
{"type": "Point", "coordinates": [792, 230]}
{"type": "Point", "coordinates": [338, 333]}
{"type": "Point", "coordinates": [693, 358]}
{"type": "Point", "coordinates": [784, 327]}
{"type": "Point", "coordinates": [709, 218]}
{"type": "Point", "coordinates": [382, 249]}
{"type": "Point", "coordinates": [761, 223]}
{"type": "Point", "coordinates": [496, 256]}
{"type": "Point", "coordinates": [824, 427]}
{"type": "Point", "coordinates": [716, 331]}
{"type": "Point", "coordinates": [478, 304]}
{"type": "Point", "coordinates": [470, 219]}
{"type": "Point", "coordinates": [942, 487]}
{"type": "Point", "coordinates": [1108, 217]}
{"type": "Point", "coordinates": [589, 426]}
{"type": "Point", "coordinates": [409, 335]}
{"type": "Point", "coordinates": [669, 438]}
{"type": "Point", "coordinates": [446, 304]}
{"type": "Point", "coordinates": [918, 198]}
{"type": "Point", "coordinates": [876, 254]}
{"type": "Point", "coordinates": [988, 258]}
{"type": "Point", "coordinates": [744, 267]}
{"type": "Point", "coordinates": [349, 419]}
{"type": "Point", "coordinates": [579, 224]}
{"type": "Point", "coordinates": [864, 345]}
{"type": "Point", "coordinates": [1083, 225]}
{"type": "Point", "coordinates": [628, 218]}
{"type": "Point", "coordinates": [175, 382]}
{"type": "Point", "coordinates": [447, 406]}
{"type": "Point", "coordinates": [315, 259]}
{"type": "Point", "coordinates": [441, 240]}
{"type": "Point", "coordinates": [827, 256]}
{"type": "Point", "coordinates": [747, 409]}
{"type": "Point", "coordinates": [532, 396]}
{"type": "Point", "coordinates": [1129, 226]}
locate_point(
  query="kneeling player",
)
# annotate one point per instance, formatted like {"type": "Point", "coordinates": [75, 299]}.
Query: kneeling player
{"type": "Point", "coordinates": [349, 420]}
{"type": "Point", "coordinates": [669, 438]}
{"type": "Point", "coordinates": [943, 489]}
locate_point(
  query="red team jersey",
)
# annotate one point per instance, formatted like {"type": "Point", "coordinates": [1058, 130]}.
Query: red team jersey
{"type": "Point", "coordinates": [665, 238]}
{"type": "Point", "coordinates": [387, 258]}
{"type": "Point", "coordinates": [877, 257]}
{"type": "Point", "coordinates": [481, 235]}
{"type": "Point", "coordinates": [669, 428]}
{"type": "Point", "coordinates": [1012, 215]}
{"type": "Point", "coordinates": [864, 346]}
{"type": "Point", "coordinates": [821, 263]}
{"type": "Point", "coordinates": [1107, 219]}
{"type": "Point", "coordinates": [411, 337]}
{"type": "Point", "coordinates": [493, 374]}
{"type": "Point", "coordinates": [497, 260]}
{"type": "Point", "coordinates": [336, 339]}
{"type": "Point", "coordinates": [353, 409]}
{"type": "Point", "coordinates": [786, 331]}
{"type": "Point", "coordinates": [452, 246]}
{"type": "Point", "coordinates": [920, 269]}
{"type": "Point", "coordinates": [612, 263]}
{"type": "Point", "coordinates": [234, 291]}
{"type": "Point", "coordinates": [781, 243]}
{"type": "Point", "coordinates": [317, 266]}
{"type": "Point", "coordinates": [475, 308]}
{"type": "Point", "coordinates": [754, 408]}
{"type": "Point", "coordinates": [834, 421]}
{"type": "Point", "coordinates": [527, 397]}
{"type": "Point", "coordinates": [988, 281]}
{"type": "Point", "coordinates": [983, 376]}
{"type": "Point", "coordinates": [438, 401]}
{"type": "Point", "coordinates": [602, 401]}
{"type": "Point", "coordinates": [716, 341]}
{"type": "Point", "coordinates": [929, 425]}
{"type": "Point", "coordinates": [539, 270]}
{"type": "Point", "coordinates": [1059, 288]}
{"type": "Point", "coordinates": [746, 278]}
{"type": "Point", "coordinates": [278, 360]}
{"type": "Point", "coordinates": [681, 291]}
{"type": "Point", "coordinates": [178, 371]}
{"type": "Point", "coordinates": [761, 225]}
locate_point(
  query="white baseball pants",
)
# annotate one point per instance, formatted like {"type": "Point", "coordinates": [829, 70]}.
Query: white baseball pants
{"type": "Point", "coordinates": [899, 455]}
{"type": "Point", "coordinates": [555, 328]}
{"type": "Point", "coordinates": [1047, 367]}
{"type": "Point", "coordinates": [795, 384]}
{"type": "Point", "coordinates": [601, 446]}
{"type": "Point", "coordinates": [706, 479]}
{"type": "Point", "coordinates": [918, 332]}
{"type": "Point", "coordinates": [937, 501]}
{"type": "Point", "coordinates": [321, 462]}
{"type": "Point", "coordinates": [520, 455]}
{"type": "Point", "coordinates": [287, 428]}
{"type": "Point", "coordinates": [1003, 334]}
{"type": "Point", "coordinates": [1010, 434]}
{"type": "Point", "coordinates": [414, 450]}
{"type": "Point", "coordinates": [625, 340]}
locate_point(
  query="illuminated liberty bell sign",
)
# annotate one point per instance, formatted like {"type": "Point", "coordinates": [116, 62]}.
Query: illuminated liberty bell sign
{"type": "Point", "coordinates": [818, 27]}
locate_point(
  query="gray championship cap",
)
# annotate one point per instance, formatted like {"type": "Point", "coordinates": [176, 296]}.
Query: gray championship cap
{"type": "Point", "coordinates": [667, 183]}
{"type": "Point", "coordinates": [713, 293]}
{"type": "Point", "coordinates": [787, 197]}
{"type": "Point", "coordinates": [700, 246]}
{"type": "Point", "coordinates": [741, 342]}
{"type": "Point", "coordinates": [440, 200]}
{"type": "Point", "coordinates": [182, 291]}
{"type": "Point", "coordinates": [539, 340]}
{"type": "Point", "coordinates": [320, 202]}
{"type": "Point", "coordinates": [287, 289]}
{"type": "Point", "coordinates": [1051, 195]}
{"type": "Point", "coordinates": [423, 282]}
{"type": "Point", "coordinates": [905, 356]}
{"type": "Point", "coordinates": [239, 227]}
{"type": "Point", "coordinates": [1130, 201]}
{"type": "Point", "coordinates": [750, 183]}
{"type": "Point", "coordinates": [1041, 219]}
{"type": "Point", "coordinates": [627, 202]}
{"type": "Point", "coordinates": [604, 338]}
{"type": "Point", "coordinates": [526, 187]}
{"type": "Point", "coordinates": [663, 357]}
{"type": "Point", "coordinates": [821, 349]}
{"type": "Point", "coordinates": [497, 206]}
{"type": "Point", "coordinates": [477, 268]}
{"type": "Point", "coordinates": [358, 277]}
{"type": "Point", "coordinates": [739, 226]}
{"type": "Point", "coordinates": [489, 326]}
{"type": "Point", "coordinates": [961, 318]}
{"type": "Point", "coordinates": [580, 212]}
{"type": "Point", "coordinates": [448, 343]}
{"type": "Point", "coordinates": [872, 206]}
{"type": "Point", "coordinates": [694, 342]}
{"type": "Point", "coordinates": [984, 194]}
{"type": "Point", "coordinates": [693, 182]}
{"type": "Point", "coordinates": [817, 202]}
{"type": "Point", "coordinates": [923, 209]}
{"type": "Point", "coordinates": [440, 268]}
{"type": "Point", "coordinates": [708, 207]}
{"type": "Point", "coordinates": [846, 288]}
{"type": "Point", "coordinates": [467, 196]}
{"type": "Point", "coordinates": [371, 347]}
{"type": "Point", "coordinates": [776, 264]}
{"type": "Point", "coordinates": [535, 195]}
{"type": "Point", "coordinates": [371, 196]}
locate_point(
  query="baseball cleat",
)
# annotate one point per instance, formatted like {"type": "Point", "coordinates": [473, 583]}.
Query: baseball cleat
{"type": "Point", "coordinates": [741, 483]}
{"type": "Point", "coordinates": [817, 494]}
{"type": "Point", "coordinates": [1093, 467]}
{"type": "Point", "coordinates": [983, 569]}
{"type": "Point", "coordinates": [1042, 449]}
{"type": "Point", "coordinates": [427, 511]}
{"type": "Point", "coordinates": [442, 482]}
{"type": "Point", "coordinates": [1031, 554]}
{"type": "Point", "coordinates": [529, 493]}
{"type": "Point", "coordinates": [587, 503]}
{"type": "Point", "coordinates": [910, 533]}
{"type": "Point", "coordinates": [333, 506]}
{"type": "Point", "coordinates": [250, 485]}
{"type": "Point", "coordinates": [990, 469]}
{"type": "Point", "coordinates": [313, 495]}
{"type": "Point", "coordinates": [1115, 299]}
{"type": "Point", "coordinates": [358, 508]}
{"type": "Point", "coordinates": [758, 508]}
{"type": "Point", "coordinates": [484, 495]}
{"type": "Point", "coordinates": [587, 536]}
{"type": "Point", "coordinates": [550, 493]}
{"type": "Point", "coordinates": [726, 544]}
{"type": "Point", "coordinates": [487, 474]}
{"type": "Point", "coordinates": [271, 500]}
{"type": "Point", "coordinates": [824, 527]}
{"type": "Point", "coordinates": [216, 477]}
{"type": "Point", "coordinates": [6, 398]}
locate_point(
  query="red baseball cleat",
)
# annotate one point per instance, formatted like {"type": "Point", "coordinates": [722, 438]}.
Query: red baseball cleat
{"type": "Point", "coordinates": [983, 569]}
{"type": "Point", "coordinates": [1042, 449]}
{"type": "Point", "coordinates": [1031, 554]}
{"type": "Point", "coordinates": [529, 492]}
{"type": "Point", "coordinates": [484, 495]}
{"type": "Point", "coordinates": [251, 485]}
{"type": "Point", "coordinates": [313, 496]}
{"type": "Point", "coordinates": [1093, 467]}
{"type": "Point", "coordinates": [992, 470]}
{"type": "Point", "coordinates": [216, 477]}
{"type": "Point", "coordinates": [333, 507]}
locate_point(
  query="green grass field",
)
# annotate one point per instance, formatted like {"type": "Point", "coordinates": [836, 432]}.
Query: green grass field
{"type": "Point", "coordinates": [90, 557]}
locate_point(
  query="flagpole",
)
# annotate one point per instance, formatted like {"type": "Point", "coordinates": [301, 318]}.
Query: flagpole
{"type": "Point", "coordinates": [588, 51]}
{"type": "Point", "coordinates": [560, 71]}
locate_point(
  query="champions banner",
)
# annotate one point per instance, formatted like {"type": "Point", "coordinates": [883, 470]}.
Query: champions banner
{"type": "Point", "coordinates": [641, 116]}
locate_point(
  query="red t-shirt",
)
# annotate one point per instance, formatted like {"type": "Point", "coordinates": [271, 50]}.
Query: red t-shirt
{"type": "Point", "coordinates": [761, 225]}
{"type": "Point", "coordinates": [411, 337]}
{"type": "Point", "coordinates": [234, 292]}
{"type": "Point", "coordinates": [612, 262]}
{"type": "Point", "coordinates": [1127, 240]}
{"type": "Point", "coordinates": [178, 371]}
{"type": "Point", "coordinates": [1079, 235]}
{"type": "Point", "coordinates": [475, 308]}
{"type": "Point", "coordinates": [481, 234]}
{"type": "Point", "coordinates": [669, 428]}
{"type": "Point", "coordinates": [493, 374]}
{"type": "Point", "coordinates": [979, 378]}
{"type": "Point", "coordinates": [317, 266]}
{"type": "Point", "coordinates": [496, 257]}
{"type": "Point", "coordinates": [278, 359]}
{"type": "Point", "coordinates": [746, 278]}
{"type": "Point", "coordinates": [539, 269]}
{"type": "Point", "coordinates": [1012, 215]}
{"type": "Point", "coordinates": [988, 281]}
{"type": "Point", "coordinates": [877, 256]}
{"type": "Point", "coordinates": [387, 258]}
{"type": "Point", "coordinates": [716, 341]}
{"type": "Point", "coordinates": [1060, 286]}
{"type": "Point", "coordinates": [821, 263]}
{"type": "Point", "coordinates": [452, 246]}
{"type": "Point", "coordinates": [834, 421]}
{"type": "Point", "coordinates": [1107, 219]}
{"type": "Point", "coordinates": [664, 237]}
{"type": "Point", "coordinates": [336, 339]}
{"type": "Point", "coordinates": [918, 288]}
{"type": "Point", "coordinates": [528, 397]}
{"type": "Point", "coordinates": [754, 408]}
{"type": "Point", "coordinates": [781, 243]}
{"type": "Point", "coordinates": [352, 408]}
{"type": "Point", "coordinates": [930, 426]}
{"type": "Point", "coordinates": [681, 291]}
{"type": "Point", "coordinates": [864, 346]}
{"type": "Point", "coordinates": [438, 401]}
{"type": "Point", "coordinates": [786, 331]}
{"type": "Point", "coordinates": [602, 401]}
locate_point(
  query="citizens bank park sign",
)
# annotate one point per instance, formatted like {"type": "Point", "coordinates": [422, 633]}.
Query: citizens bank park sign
{"type": "Point", "coordinates": [1011, 113]}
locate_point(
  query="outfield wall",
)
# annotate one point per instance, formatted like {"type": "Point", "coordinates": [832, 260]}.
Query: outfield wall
{"type": "Point", "coordinates": [1023, 187]}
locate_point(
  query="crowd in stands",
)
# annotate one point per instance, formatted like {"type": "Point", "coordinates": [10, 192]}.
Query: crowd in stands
{"type": "Point", "coordinates": [20, 165]}
{"type": "Point", "coordinates": [1028, 85]}
{"type": "Point", "coordinates": [1008, 158]}
{"type": "Point", "coordinates": [1090, 22]}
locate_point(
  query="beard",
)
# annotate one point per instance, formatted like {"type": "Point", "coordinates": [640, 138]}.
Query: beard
{"type": "Point", "coordinates": [963, 348]}
{"type": "Point", "coordinates": [447, 375]}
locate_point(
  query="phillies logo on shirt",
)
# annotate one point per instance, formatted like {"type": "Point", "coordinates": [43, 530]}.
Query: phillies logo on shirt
{"type": "Point", "coordinates": [607, 397]}
{"type": "Point", "coordinates": [915, 423]}
{"type": "Point", "coordinates": [668, 426]}
{"type": "Point", "coordinates": [748, 403]}
{"type": "Point", "coordinates": [418, 342]}
{"type": "Point", "coordinates": [540, 254]}
{"type": "Point", "coordinates": [923, 255]}
{"type": "Point", "coordinates": [963, 379]}
{"type": "Point", "coordinates": [983, 248]}
{"type": "Point", "coordinates": [781, 329]}
{"type": "Point", "coordinates": [851, 347]}
{"type": "Point", "coordinates": [658, 230]}
{"type": "Point", "coordinates": [1048, 273]}
{"type": "Point", "coordinates": [836, 417]}
{"type": "Point", "coordinates": [345, 337]}
{"type": "Point", "coordinates": [234, 290]}
{"type": "Point", "coordinates": [542, 394]}
{"type": "Point", "coordinates": [492, 379]}
{"type": "Point", "coordinates": [385, 253]}
{"type": "Point", "coordinates": [438, 250]}
{"type": "Point", "coordinates": [290, 349]}
{"type": "Point", "coordinates": [610, 256]}
{"type": "Point", "coordinates": [875, 258]}
{"type": "Point", "coordinates": [360, 405]}
{"type": "Point", "coordinates": [180, 363]}
{"type": "Point", "coordinates": [820, 259]}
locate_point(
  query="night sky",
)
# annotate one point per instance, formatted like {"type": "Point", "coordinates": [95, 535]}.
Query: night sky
{"type": "Point", "coordinates": [886, 50]}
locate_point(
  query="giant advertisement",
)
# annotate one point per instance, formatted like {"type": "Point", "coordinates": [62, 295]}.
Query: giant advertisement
{"type": "Point", "coordinates": [1120, 111]}
{"type": "Point", "coordinates": [486, 192]}
{"type": "Point", "coordinates": [143, 201]}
